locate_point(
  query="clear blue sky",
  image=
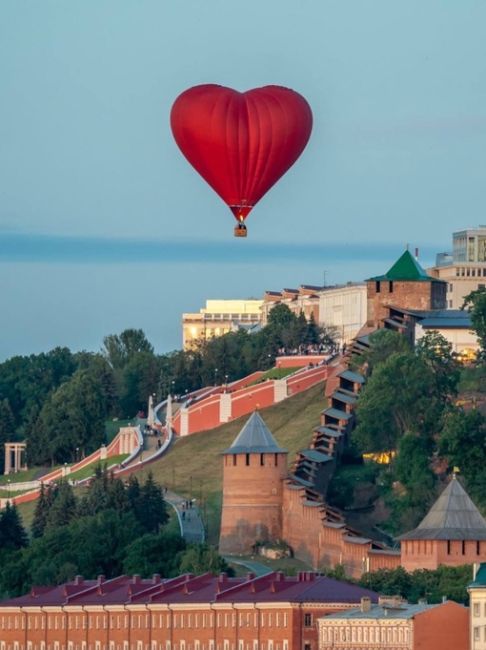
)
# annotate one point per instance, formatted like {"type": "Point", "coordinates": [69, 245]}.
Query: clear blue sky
{"type": "Point", "coordinates": [104, 225]}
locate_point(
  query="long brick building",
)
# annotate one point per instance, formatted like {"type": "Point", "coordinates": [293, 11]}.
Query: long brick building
{"type": "Point", "coordinates": [273, 612]}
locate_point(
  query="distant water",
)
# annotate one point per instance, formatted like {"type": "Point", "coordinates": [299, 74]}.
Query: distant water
{"type": "Point", "coordinates": [73, 291]}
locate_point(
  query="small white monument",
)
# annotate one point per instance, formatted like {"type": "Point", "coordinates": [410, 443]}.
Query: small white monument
{"type": "Point", "coordinates": [151, 412]}
{"type": "Point", "coordinates": [168, 413]}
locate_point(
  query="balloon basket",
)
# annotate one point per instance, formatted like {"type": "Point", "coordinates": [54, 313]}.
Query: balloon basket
{"type": "Point", "coordinates": [240, 231]}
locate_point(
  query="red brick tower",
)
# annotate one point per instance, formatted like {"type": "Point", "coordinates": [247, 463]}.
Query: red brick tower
{"type": "Point", "coordinates": [253, 473]}
{"type": "Point", "coordinates": [452, 533]}
{"type": "Point", "coordinates": [406, 286]}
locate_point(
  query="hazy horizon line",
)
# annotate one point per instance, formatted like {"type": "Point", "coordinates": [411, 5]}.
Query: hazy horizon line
{"type": "Point", "coordinates": [35, 247]}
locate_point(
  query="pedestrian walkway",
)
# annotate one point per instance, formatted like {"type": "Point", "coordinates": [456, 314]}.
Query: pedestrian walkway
{"type": "Point", "coordinates": [257, 568]}
{"type": "Point", "coordinates": [190, 522]}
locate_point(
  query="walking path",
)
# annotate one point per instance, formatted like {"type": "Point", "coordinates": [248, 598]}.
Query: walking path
{"type": "Point", "coordinates": [190, 522]}
{"type": "Point", "coordinates": [257, 568]}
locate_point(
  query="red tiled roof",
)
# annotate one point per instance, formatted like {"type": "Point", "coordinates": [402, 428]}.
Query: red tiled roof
{"type": "Point", "coordinates": [273, 587]}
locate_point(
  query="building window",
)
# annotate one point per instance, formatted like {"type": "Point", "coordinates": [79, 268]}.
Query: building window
{"type": "Point", "coordinates": [463, 547]}
{"type": "Point", "coordinates": [262, 460]}
{"type": "Point", "coordinates": [276, 460]}
{"type": "Point", "coordinates": [478, 548]}
{"type": "Point", "coordinates": [307, 620]}
{"type": "Point", "coordinates": [377, 286]}
{"type": "Point", "coordinates": [390, 286]}
{"type": "Point", "coordinates": [476, 609]}
{"type": "Point", "coordinates": [477, 633]}
{"type": "Point", "coordinates": [247, 459]}
{"type": "Point", "coordinates": [448, 547]}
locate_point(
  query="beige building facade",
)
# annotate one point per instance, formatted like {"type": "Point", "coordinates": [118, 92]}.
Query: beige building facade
{"type": "Point", "coordinates": [467, 272]}
{"type": "Point", "coordinates": [396, 625]}
{"type": "Point", "coordinates": [477, 608]}
{"type": "Point", "coordinates": [341, 307]}
{"type": "Point", "coordinates": [219, 317]}
{"type": "Point", "coordinates": [464, 341]}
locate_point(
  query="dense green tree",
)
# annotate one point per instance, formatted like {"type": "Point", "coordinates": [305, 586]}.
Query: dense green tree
{"type": "Point", "coordinates": [154, 553]}
{"type": "Point", "coordinates": [7, 427]}
{"type": "Point", "coordinates": [436, 352]}
{"type": "Point", "coordinates": [475, 303]}
{"type": "Point", "coordinates": [42, 508]}
{"type": "Point", "coordinates": [120, 348]}
{"type": "Point", "coordinates": [450, 582]}
{"type": "Point", "coordinates": [133, 493]}
{"type": "Point", "coordinates": [63, 508]}
{"type": "Point", "coordinates": [152, 512]}
{"type": "Point", "coordinates": [136, 381]}
{"type": "Point", "coordinates": [412, 468]}
{"type": "Point", "coordinates": [97, 497]}
{"type": "Point", "coordinates": [399, 396]}
{"type": "Point", "coordinates": [26, 382]}
{"type": "Point", "coordinates": [313, 332]}
{"type": "Point", "coordinates": [72, 418]}
{"type": "Point", "coordinates": [281, 317]}
{"type": "Point", "coordinates": [104, 377]}
{"type": "Point", "coordinates": [463, 443]}
{"type": "Point", "coordinates": [12, 532]}
{"type": "Point", "coordinates": [384, 343]}
{"type": "Point", "coordinates": [199, 558]}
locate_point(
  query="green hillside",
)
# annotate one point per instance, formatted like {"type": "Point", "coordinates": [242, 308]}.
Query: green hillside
{"type": "Point", "coordinates": [193, 467]}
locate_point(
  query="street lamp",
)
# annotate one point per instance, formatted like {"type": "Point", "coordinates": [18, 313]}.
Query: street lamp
{"type": "Point", "coordinates": [215, 376]}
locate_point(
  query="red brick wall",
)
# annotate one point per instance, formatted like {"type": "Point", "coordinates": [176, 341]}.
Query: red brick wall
{"type": "Point", "coordinates": [205, 415]}
{"type": "Point", "coordinates": [405, 294]}
{"type": "Point", "coordinates": [445, 628]}
{"type": "Point", "coordinates": [429, 554]}
{"type": "Point", "coordinates": [299, 361]}
{"type": "Point", "coordinates": [324, 546]}
{"type": "Point", "coordinates": [303, 381]}
{"type": "Point", "coordinates": [248, 399]}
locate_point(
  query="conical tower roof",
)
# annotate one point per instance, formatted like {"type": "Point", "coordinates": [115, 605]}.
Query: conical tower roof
{"type": "Point", "coordinates": [255, 438]}
{"type": "Point", "coordinates": [405, 268]}
{"type": "Point", "coordinates": [453, 516]}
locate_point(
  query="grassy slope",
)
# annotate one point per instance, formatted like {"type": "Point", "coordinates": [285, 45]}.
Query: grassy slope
{"type": "Point", "coordinates": [193, 467]}
{"type": "Point", "coordinates": [199, 456]}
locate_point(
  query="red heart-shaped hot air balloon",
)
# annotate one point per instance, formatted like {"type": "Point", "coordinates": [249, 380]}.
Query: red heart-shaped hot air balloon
{"type": "Point", "coordinates": [241, 143]}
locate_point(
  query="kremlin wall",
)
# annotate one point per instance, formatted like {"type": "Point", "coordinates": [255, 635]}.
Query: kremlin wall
{"type": "Point", "coordinates": [262, 501]}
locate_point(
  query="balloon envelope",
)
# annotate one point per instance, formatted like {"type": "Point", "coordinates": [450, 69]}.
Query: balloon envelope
{"type": "Point", "coordinates": [241, 143]}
